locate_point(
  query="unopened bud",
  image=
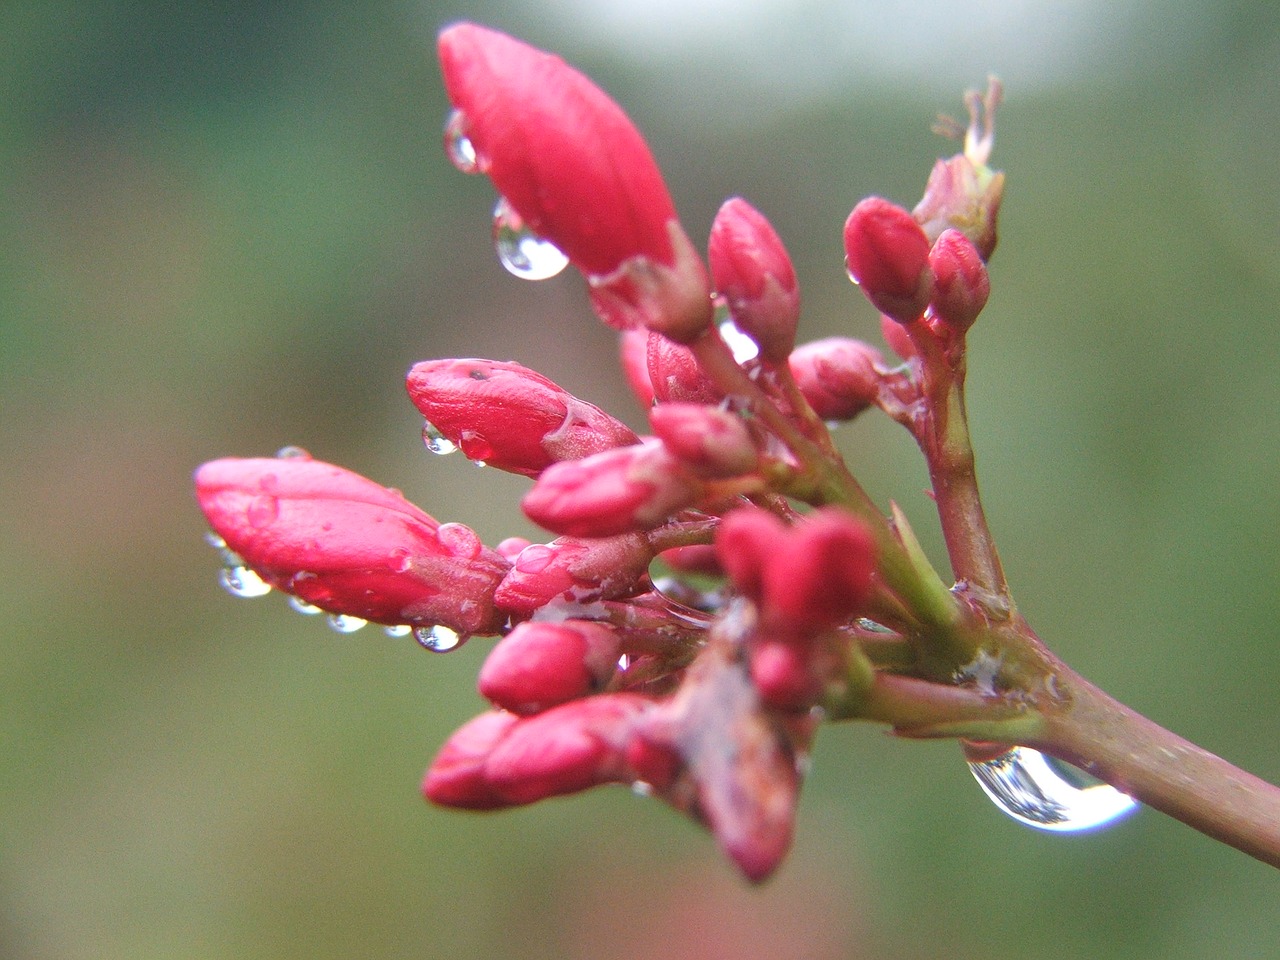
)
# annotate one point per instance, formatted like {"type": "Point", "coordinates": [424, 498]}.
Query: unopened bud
{"type": "Point", "coordinates": [714, 443]}
{"type": "Point", "coordinates": [961, 284]}
{"type": "Point", "coordinates": [674, 374]}
{"type": "Point", "coordinates": [752, 271]}
{"type": "Point", "coordinates": [575, 571]}
{"type": "Point", "coordinates": [839, 376]}
{"type": "Point", "coordinates": [888, 257]}
{"type": "Point", "coordinates": [541, 664]}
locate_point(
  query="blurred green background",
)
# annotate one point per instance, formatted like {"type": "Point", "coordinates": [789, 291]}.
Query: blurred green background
{"type": "Point", "coordinates": [228, 227]}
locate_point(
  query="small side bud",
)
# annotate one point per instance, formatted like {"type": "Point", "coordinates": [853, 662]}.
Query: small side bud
{"type": "Point", "coordinates": [961, 284]}
{"type": "Point", "coordinates": [888, 257]}
{"type": "Point", "coordinates": [839, 376]}
{"type": "Point", "coordinates": [618, 491]}
{"type": "Point", "coordinates": [674, 374]}
{"type": "Point", "coordinates": [574, 570]}
{"type": "Point", "coordinates": [896, 336]}
{"type": "Point", "coordinates": [633, 352]}
{"type": "Point", "coordinates": [751, 269]}
{"type": "Point", "coordinates": [714, 443]}
{"type": "Point", "coordinates": [539, 664]}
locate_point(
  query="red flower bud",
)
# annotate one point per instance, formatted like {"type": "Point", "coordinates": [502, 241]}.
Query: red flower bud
{"type": "Point", "coordinates": [896, 336]}
{"type": "Point", "coordinates": [617, 491]}
{"type": "Point", "coordinates": [714, 443]}
{"type": "Point", "coordinates": [633, 351]}
{"type": "Point", "coordinates": [349, 545]}
{"type": "Point", "coordinates": [839, 376]}
{"type": "Point", "coordinates": [674, 374]}
{"type": "Point", "coordinates": [961, 282]}
{"type": "Point", "coordinates": [752, 271]}
{"type": "Point", "coordinates": [579, 174]}
{"type": "Point", "coordinates": [575, 571]}
{"type": "Point", "coordinates": [888, 256]}
{"type": "Point", "coordinates": [820, 573]}
{"type": "Point", "coordinates": [784, 673]}
{"type": "Point", "coordinates": [541, 664]}
{"type": "Point", "coordinates": [456, 777]}
{"type": "Point", "coordinates": [509, 416]}
{"type": "Point", "coordinates": [744, 540]}
{"type": "Point", "coordinates": [566, 749]}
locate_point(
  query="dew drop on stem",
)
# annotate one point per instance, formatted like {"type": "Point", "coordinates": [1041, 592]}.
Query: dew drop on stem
{"type": "Point", "coordinates": [524, 253]}
{"type": "Point", "coordinates": [1032, 789]}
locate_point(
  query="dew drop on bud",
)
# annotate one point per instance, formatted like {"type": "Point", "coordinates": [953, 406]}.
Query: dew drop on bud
{"type": "Point", "coordinates": [398, 630]}
{"type": "Point", "coordinates": [240, 581]}
{"type": "Point", "coordinates": [292, 453]}
{"type": "Point", "coordinates": [521, 251]}
{"type": "Point", "coordinates": [301, 606]}
{"type": "Point", "coordinates": [437, 639]}
{"type": "Point", "coordinates": [458, 146]}
{"type": "Point", "coordinates": [741, 346]}
{"type": "Point", "coordinates": [344, 623]}
{"type": "Point", "coordinates": [1027, 786]}
{"type": "Point", "coordinates": [436, 441]}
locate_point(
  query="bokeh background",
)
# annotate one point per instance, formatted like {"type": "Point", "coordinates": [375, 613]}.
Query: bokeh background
{"type": "Point", "coordinates": [228, 227]}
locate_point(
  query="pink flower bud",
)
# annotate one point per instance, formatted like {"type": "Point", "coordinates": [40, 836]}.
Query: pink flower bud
{"type": "Point", "coordinates": [349, 545]}
{"type": "Point", "coordinates": [633, 351]}
{"type": "Point", "coordinates": [456, 777]}
{"type": "Point", "coordinates": [784, 673]}
{"type": "Point", "coordinates": [577, 171]}
{"type": "Point", "coordinates": [888, 256]}
{"type": "Point", "coordinates": [566, 749]}
{"type": "Point", "coordinates": [712, 442]}
{"type": "Point", "coordinates": [510, 417]}
{"type": "Point", "coordinates": [895, 335]}
{"type": "Point", "coordinates": [674, 374]}
{"type": "Point", "coordinates": [820, 573]}
{"type": "Point", "coordinates": [617, 491]}
{"type": "Point", "coordinates": [839, 376]}
{"type": "Point", "coordinates": [696, 558]}
{"type": "Point", "coordinates": [744, 541]}
{"type": "Point", "coordinates": [541, 664]}
{"type": "Point", "coordinates": [573, 570]}
{"type": "Point", "coordinates": [961, 283]}
{"type": "Point", "coordinates": [752, 271]}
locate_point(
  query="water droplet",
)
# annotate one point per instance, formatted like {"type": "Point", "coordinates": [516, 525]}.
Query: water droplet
{"type": "Point", "coordinates": [436, 441]}
{"type": "Point", "coordinates": [458, 146]}
{"type": "Point", "coordinates": [215, 541]}
{"type": "Point", "coordinates": [521, 251]}
{"type": "Point", "coordinates": [262, 511]}
{"type": "Point", "coordinates": [292, 453]}
{"type": "Point", "coordinates": [398, 630]}
{"type": "Point", "coordinates": [1028, 787]}
{"type": "Point", "coordinates": [241, 581]}
{"type": "Point", "coordinates": [437, 639]}
{"type": "Point", "coordinates": [742, 346]}
{"type": "Point", "coordinates": [300, 605]}
{"type": "Point", "coordinates": [344, 623]}
{"type": "Point", "coordinates": [624, 661]}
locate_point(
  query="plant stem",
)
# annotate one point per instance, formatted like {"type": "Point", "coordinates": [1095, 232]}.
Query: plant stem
{"type": "Point", "coordinates": [1116, 744]}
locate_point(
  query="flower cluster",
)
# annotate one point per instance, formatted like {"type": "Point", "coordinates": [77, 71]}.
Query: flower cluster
{"type": "Point", "coordinates": [785, 596]}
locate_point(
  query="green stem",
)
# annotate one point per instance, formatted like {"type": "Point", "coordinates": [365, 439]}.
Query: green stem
{"type": "Point", "coordinates": [1116, 744]}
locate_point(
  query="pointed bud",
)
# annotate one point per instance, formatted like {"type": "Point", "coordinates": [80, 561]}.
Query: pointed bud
{"type": "Point", "coordinates": [456, 777]}
{"type": "Point", "coordinates": [888, 256]}
{"type": "Point", "coordinates": [541, 664]}
{"type": "Point", "coordinates": [839, 376]}
{"type": "Point", "coordinates": [575, 571]}
{"type": "Point", "coordinates": [573, 166]}
{"type": "Point", "coordinates": [617, 491]}
{"type": "Point", "coordinates": [349, 545]}
{"type": "Point", "coordinates": [961, 282]}
{"type": "Point", "coordinates": [713, 443]}
{"type": "Point", "coordinates": [821, 572]}
{"type": "Point", "coordinates": [752, 271]}
{"type": "Point", "coordinates": [565, 749]}
{"type": "Point", "coordinates": [510, 417]}
{"type": "Point", "coordinates": [674, 374]}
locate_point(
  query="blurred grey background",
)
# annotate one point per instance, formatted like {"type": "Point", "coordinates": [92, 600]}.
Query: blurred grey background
{"type": "Point", "coordinates": [228, 227]}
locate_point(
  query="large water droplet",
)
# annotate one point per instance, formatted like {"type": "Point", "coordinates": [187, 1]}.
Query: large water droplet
{"type": "Point", "coordinates": [1028, 787]}
{"type": "Point", "coordinates": [458, 146]}
{"type": "Point", "coordinates": [437, 639]}
{"type": "Point", "coordinates": [436, 441]}
{"type": "Point", "coordinates": [521, 251]}
{"type": "Point", "coordinates": [344, 623]}
{"type": "Point", "coordinates": [240, 581]}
